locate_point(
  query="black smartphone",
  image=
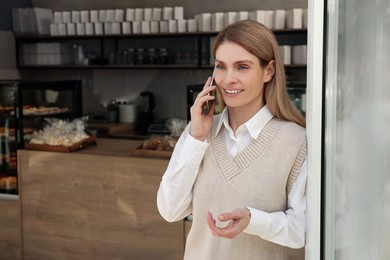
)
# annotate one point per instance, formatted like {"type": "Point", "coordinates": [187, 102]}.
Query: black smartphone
{"type": "Point", "coordinates": [206, 110]}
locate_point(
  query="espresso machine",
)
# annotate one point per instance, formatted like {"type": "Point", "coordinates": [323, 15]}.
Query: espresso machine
{"type": "Point", "coordinates": [145, 117]}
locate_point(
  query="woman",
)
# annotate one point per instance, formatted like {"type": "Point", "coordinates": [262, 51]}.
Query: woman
{"type": "Point", "coordinates": [246, 165]}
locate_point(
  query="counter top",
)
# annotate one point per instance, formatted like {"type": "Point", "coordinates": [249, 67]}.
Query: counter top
{"type": "Point", "coordinates": [112, 147]}
{"type": "Point", "coordinates": [111, 128]}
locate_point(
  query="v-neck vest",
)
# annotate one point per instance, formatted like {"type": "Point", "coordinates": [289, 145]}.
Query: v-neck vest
{"type": "Point", "coordinates": [260, 176]}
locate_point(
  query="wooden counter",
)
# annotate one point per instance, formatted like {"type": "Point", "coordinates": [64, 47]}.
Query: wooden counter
{"type": "Point", "coordinates": [97, 203]}
{"type": "Point", "coordinates": [10, 234]}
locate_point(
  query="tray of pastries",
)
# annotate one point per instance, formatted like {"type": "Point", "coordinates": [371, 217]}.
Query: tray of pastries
{"type": "Point", "coordinates": [43, 110]}
{"type": "Point", "coordinates": [60, 136]}
{"type": "Point", "coordinates": [66, 148]}
{"type": "Point", "coordinates": [157, 147]}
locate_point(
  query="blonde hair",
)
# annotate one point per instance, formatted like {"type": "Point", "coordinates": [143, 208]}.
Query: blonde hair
{"type": "Point", "coordinates": [261, 42]}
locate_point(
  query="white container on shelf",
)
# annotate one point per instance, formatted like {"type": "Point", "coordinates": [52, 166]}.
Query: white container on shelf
{"type": "Point", "coordinates": [130, 14]}
{"type": "Point", "coordinates": [167, 13]}
{"type": "Point", "coordinates": [148, 14]}
{"type": "Point", "coordinates": [126, 27]}
{"type": "Point", "coordinates": [217, 21]}
{"type": "Point", "coordinates": [53, 29]}
{"type": "Point", "coordinates": [128, 113]}
{"type": "Point", "coordinates": [66, 17]}
{"type": "Point", "coordinates": [172, 26]}
{"type": "Point", "coordinates": [94, 16]}
{"type": "Point", "coordinates": [145, 27]}
{"type": "Point", "coordinates": [258, 15]}
{"type": "Point", "coordinates": [57, 17]}
{"type": "Point", "coordinates": [178, 13]}
{"type": "Point", "coordinates": [84, 16]}
{"type": "Point", "coordinates": [80, 29]}
{"type": "Point", "coordinates": [269, 19]}
{"type": "Point", "coordinates": [279, 19]}
{"type": "Point", "coordinates": [89, 29]}
{"type": "Point", "coordinates": [102, 16]}
{"type": "Point", "coordinates": [242, 15]}
{"type": "Point", "coordinates": [62, 29]}
{"type": "Point", "coordinates": [70, 29]}
{"type": "Point", "coordinates": [230, 18]}
{"type": "Point", "coordinates": [156, 14]}
{"type": "Point", "coordinates": [107, 28]}
{"type": "Point", "coordinates": [294, 18]}
{"type": "Point", "coordinates": [75, 17]}
{"type": "Point", "coordinates": [110, 15]}
{"type": "Point", "coordinates": [163, 26]}
{"type": "Point", "coordinates": [285, 51]}
{"type": "Point", "coordinates": [192, 25]}
{"type": "Point", "coordinates": [203, 22]}
{"type": "Point", "coordinates": [182, 26]}
{"type": "Point", "coordinates": [299, 54]}
{"type": "Point", "coordinates": [139, 14]}
{"type": "Point", "coordinates": [154, 27]}
{"type": "Point", "coordinates": [136, 26]}
{"type": "Point", "coordinates": [116, 28]}
{"type": "Point", "coordinates": [119, 15]}
{"type": "Point", "coordinates": [98, 28]}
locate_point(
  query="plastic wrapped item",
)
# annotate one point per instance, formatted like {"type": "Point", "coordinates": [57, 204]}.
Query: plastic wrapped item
{"type": "Point", "coordinates": [176, 126]}
{"type": "Point", "coordinates": [59, 132]}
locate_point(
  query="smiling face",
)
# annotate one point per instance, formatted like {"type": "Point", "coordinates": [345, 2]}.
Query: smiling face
{"type": "Point", "coordinates": [241, 78]}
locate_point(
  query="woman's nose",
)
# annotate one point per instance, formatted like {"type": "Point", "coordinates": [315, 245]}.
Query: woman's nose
{"type": "Point", "coordinates": [230, 76]}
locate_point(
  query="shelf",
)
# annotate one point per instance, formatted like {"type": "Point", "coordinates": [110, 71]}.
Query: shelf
{"type": "Point", "coordinates": [6, 115]}
{"type": "Point", "coordinates": [198, 42]}
{"type": "Point", "coordinates": [142, 35]}
{"type": "Point", "coordinates": [110, 67]}
{"type": "Point", "coordinates": [157, 66]}
{"type": "Point", "coordinates": [114, 36]}
{"type": "Point", "coordinates": [295, 66]}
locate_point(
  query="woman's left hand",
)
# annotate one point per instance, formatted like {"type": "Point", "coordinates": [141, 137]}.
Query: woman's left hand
{"type": "Point", "coordinates": [238, 221]}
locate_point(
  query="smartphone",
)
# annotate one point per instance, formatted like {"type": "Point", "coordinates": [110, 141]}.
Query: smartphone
{"type": "Point", "coordinates": [209, 102]}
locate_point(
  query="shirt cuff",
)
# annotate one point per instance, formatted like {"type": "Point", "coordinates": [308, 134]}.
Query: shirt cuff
{"type": "Point", "coordinates": [260, 223]}
{"type": "Point", "coordinates": [194, 150]}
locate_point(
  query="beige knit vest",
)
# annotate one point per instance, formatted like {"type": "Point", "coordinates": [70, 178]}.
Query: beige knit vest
{"type": "Point", "coordinates": [260, 177]}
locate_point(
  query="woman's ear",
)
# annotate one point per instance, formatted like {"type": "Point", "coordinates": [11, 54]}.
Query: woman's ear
{"type": "Point", "coordinates": [269, 71]}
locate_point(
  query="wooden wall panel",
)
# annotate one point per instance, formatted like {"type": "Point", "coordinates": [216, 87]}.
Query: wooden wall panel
{"type": "Point", "coordinates": [10, 230]}
{"type": "Point", "coordinates": [94, 207]}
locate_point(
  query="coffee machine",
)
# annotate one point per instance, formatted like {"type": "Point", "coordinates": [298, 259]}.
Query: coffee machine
{"type": "Point", "coordinates": [145, 117]}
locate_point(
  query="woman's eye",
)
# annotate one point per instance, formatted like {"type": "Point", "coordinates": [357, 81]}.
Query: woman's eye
{"type": "Point", "coordinates": [243, 67]}
{"type": "Point", "coordinates": [220, 67]}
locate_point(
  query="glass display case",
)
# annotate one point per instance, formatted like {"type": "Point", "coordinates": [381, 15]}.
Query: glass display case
{"type": "Point", "coordinates": [24, 106]}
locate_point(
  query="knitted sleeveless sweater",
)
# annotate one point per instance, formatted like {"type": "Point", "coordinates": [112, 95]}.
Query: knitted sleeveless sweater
{"type": "Point", "coordinates": [260, 177]}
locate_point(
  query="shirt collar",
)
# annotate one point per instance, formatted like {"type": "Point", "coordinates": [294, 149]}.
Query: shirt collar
{"type": "Point", "coordinates": [253, 125]}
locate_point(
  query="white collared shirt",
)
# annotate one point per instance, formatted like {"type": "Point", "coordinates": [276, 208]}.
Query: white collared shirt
{"type": "Point", "coordinates": [175, 193]}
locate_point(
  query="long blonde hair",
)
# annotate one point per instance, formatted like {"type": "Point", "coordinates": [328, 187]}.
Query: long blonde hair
{"type": "Point", "coordinates": [261, 42]}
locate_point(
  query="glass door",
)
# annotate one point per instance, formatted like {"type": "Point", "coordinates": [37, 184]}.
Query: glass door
{"type": "Point", "coordinates": [357, 130]}
{"type": "Point", "coordinates": [8, 144]}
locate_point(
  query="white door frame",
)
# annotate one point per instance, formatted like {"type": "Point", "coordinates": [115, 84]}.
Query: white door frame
{"type": "Point", "coordinates": [314, 125]}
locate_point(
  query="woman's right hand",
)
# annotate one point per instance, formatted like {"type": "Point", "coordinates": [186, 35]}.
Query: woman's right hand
{"type": "Point", "coordinates": [200, 122]}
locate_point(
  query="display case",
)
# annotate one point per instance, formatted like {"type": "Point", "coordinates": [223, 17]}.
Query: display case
{"type": "Point", "coordinates": [24, 108]}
